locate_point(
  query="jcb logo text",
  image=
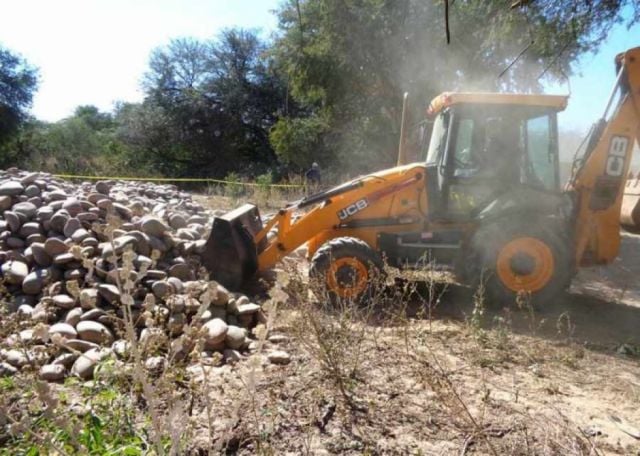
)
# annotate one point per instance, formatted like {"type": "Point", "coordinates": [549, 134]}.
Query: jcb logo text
{"type": "Point", "coordinates": [353, 209]}
{"type": "Point", "coordinates": [617, 155]}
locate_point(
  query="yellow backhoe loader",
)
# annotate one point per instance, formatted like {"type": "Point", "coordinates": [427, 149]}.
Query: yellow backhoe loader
{"type": "Point", "coordinates": [630, 212]}
{"type": "Point", "coordinates": [486, 201]}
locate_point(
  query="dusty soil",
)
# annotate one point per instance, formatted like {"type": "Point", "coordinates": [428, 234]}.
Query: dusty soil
{"type": "Point", "coordinates": [439, 388]}
{"type": "Point", "coordinates": [562, 380]}
{"type": "Point", "coordinates": [601, 309]}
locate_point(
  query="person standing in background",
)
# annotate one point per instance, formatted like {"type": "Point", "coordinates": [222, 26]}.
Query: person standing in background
{"type": "Point", "coordinates": [313, 177]}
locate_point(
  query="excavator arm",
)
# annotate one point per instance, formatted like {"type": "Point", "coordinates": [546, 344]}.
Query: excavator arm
{"type": "Point", "coordinates": [599, 182]}
{"type": "Point", "coordinates": [240, 245]}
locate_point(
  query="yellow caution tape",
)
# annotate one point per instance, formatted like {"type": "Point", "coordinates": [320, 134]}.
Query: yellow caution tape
{"type": "Point", "coordinates": [175, 179]}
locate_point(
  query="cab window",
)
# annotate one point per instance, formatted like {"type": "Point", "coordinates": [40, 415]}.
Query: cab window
{"type": "Point", "coordinates": [540, 158]}
{"type": "Point", "coordinates": [438, 139]}
{"type": "Point", "coordinates": [464, 159]}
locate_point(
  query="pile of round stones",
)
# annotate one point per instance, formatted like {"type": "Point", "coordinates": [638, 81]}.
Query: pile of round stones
{"type": "Point", "coordinates": [78, 261]}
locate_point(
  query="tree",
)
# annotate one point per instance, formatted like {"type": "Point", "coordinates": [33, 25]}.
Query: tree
{"type": "Point", "coordinates": [85, 143]}
{"type": "Point", "coordinates": [209, 106]}
{"type": "Point", "coordinates": [349, 62]}
{"type": "Point", "coordinates": [93, 117]}
{"type": "Point", "coordinates": [18, 82]}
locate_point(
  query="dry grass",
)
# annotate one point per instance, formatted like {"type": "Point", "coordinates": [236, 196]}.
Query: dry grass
{"type": "Point", "coordinates": [391, 377]}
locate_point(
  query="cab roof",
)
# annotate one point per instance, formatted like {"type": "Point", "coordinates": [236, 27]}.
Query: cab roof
{"type": "Point", "coordinates": [446, 99]}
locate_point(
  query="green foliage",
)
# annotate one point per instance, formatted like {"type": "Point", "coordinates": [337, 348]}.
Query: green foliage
{"type": "Point", "coordinates": [210, 105]}
{"type": "Point", "coordinates": [264, 180]}
{"type": "Point", "coordinates": [7, 384]}
{"type": "Point", "coordinates": [298, 141]}
{"type": "Point", "coordinates": [93, 117]}
{"type": "Point", "coordinates": [85, 143]}
{"type": "Point", "coordinates": [18, 82]}
{"type": "Point", "coordinates": [233, 188]}
{"type": "Point", "coordinates": [350, 62]}
{"type": "Point", "coordinates": [328, 88]}
{"type": "Point", "coordinates": [108, 428]}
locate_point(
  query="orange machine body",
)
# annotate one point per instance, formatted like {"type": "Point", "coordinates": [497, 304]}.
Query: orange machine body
{"type": "Point", "coordinates": [390, 210]}
{"type": "Point", "coordinates": [393, 200]}
{"type": "Point", "coordinates": [599, 183]}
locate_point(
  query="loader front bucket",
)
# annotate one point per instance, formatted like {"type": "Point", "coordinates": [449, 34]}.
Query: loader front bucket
{"type": "Point", "coordinates": [630, 212]}
{"type": "Point", "coordinates": [231, 254]}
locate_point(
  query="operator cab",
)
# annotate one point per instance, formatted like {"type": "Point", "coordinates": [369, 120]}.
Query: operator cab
{"type": "Point", "coordinates": [488, 155]}
{"type": "Point", "coordinates": [483, 146]}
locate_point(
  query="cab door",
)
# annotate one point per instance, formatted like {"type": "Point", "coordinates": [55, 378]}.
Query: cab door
{"type": "Point", "coordinates": [482, 160]}
{"type": "Point", "coordinates": [435, 166]}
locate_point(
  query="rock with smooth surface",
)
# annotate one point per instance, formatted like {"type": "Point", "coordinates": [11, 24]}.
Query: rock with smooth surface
{"type": "Point", "coordinates": [79, 345]}
{"type": "Point", "coordinates": [40, 254]}
{"type": "Point", "coordinates": [235, 337]}
{"type": "Point", "coordinates": [177, 221]}
{"type": "Point", "coordinates": [5, 203]}
{"type": "Point", "coordinates": [231, 356]}
{"type": "Point", "coordinates": [181, 271]}
{"type": "Point", "coordinates": [248, 309]}
{"type": "Point", "coordinates": [64, 301]}
{"type": "Point", "coordinates": [11, 188]}
{"type": "Point", "coordinates": [73, 316]}
{"type": "Point", "coordinates": [279, 357]}
{"type": "Point", "coordinates": [109, 293]}
{"type": "Point", "coordinates": [64, 329]}
{"type": "Point", "coordinates": [95, 332]}
{"type": "Point", "coordinates": [7, 370]}
{"type": "Point", "coordinates": [13, 220]}
{"type": "Point", "coordinates": [54, 247]}
{"type": "Point", "coordinates": [153, 226]}
{"type": "Point", "coordinates": [72, 225]}
{"type": "Point", "coordinates": [86, 363]}
{"type": "Point", "coordinates": [52, 372]}
{"type": "Point", "coordinates": [14, 272]}
{"type": "Point", "coordinates": [17, 358]}
{"type": "Point", "coordinates": [66, 359]}
{"type": "Point", "coordinates": [215, 332]}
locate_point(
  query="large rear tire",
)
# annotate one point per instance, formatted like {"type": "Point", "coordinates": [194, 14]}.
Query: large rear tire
{"type": "Point", "coordinates": [346, 269]}
{"type": "Point", "coordinates": [529, 261]}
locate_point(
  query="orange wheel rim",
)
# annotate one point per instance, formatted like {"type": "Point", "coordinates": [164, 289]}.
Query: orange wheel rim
{"type": "Point", "coordinates": [525, 264]}
{"type": "Point", "coordinates": [347, 277]}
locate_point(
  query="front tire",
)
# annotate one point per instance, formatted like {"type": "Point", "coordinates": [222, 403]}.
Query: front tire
{"type": "Point", "coordinates": [346, 269]}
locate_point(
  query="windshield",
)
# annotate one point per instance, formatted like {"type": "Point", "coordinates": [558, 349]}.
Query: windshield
{"type": "Point", "coordinates": [438, 139]}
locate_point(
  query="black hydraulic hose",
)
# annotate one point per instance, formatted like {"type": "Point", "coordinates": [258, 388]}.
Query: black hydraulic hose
{"type": "Point", "coordinates": [312, 199]}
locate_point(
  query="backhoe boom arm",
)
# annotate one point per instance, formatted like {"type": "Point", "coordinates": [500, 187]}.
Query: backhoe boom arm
{"type": "Point", "coordinates": [600, 181]}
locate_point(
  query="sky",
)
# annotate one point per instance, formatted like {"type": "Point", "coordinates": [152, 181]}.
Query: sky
{"type": "Point", "coordinates": [96, 51]}
{"type": "Point", "coordinates": [594, 78]}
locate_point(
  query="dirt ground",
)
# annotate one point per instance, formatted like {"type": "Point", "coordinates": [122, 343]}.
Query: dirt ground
{"type": "Point", "coordinates": [563, 380]}
{"type": "Point", "coordinates": [573, 367]}
{"type": "Point", "coordinates": [602, 306]}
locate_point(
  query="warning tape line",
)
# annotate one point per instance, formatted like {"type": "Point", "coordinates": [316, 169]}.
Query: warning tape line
{"type": "Point", "coordinates": [176, 179]}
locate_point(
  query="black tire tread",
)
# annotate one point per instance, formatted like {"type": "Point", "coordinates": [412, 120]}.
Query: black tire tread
{"type": "Point", "coordinates": [344, 247]}
{"type": "Point", "coordinates": [484, 250]}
